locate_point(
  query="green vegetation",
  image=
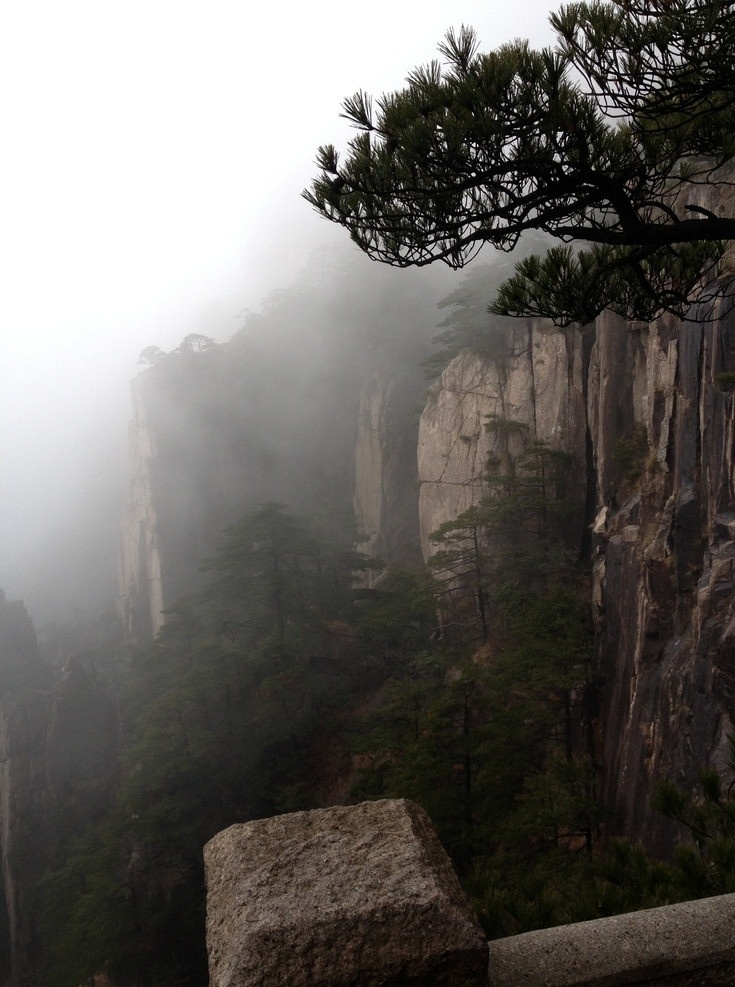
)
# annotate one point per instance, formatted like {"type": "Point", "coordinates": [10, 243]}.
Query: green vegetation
{"type": "Point", "coordinates": [630, 453]}
{"type": "Point", "coordinates": [598, 141]}
{"type": "Point", "coordinates": [516, 535]}
{"type": "Point", "coordinates": [284, 654]}
{"type": "Point", "coordinates": [706, 864]}
{"type": "Point", "coordinates": [726, 380]}
{"type": "Point", "coordinates": [497, 738]}
{"type": "Point", "coordinates": [468, 325]}
{"type": "Point", "coordinates": [297, 676]}
{"type": "Point", "coordinates": [225, 716]}
{"type": "Point", "coordinates": [268, 689]}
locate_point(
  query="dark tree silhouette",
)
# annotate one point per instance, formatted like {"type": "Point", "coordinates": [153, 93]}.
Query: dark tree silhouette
{"type": "Point", "coordinates": [604, 140]}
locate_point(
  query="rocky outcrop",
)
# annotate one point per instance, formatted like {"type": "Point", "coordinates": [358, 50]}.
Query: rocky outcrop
{"type": "Point", "coordinates": [218, 432]}
{"type": "Point", "coordinates": [665, 543]}
{"type": "Point", "coordinates": [21, 667]}
{"type": "Point", "coordinates": [140, 576]}
{"type": "Point", "coordinates": [353, 896]}
{"type": "Point", "coordinates": [386, 480]}
{"type": "Point", "coordinates": [644, 412]}
{"type": "Point", "coordinates": [195, 467]}
{"type": "Point", "coordinates": [540, 384]}
{"type": "Point", "coordinates": [213, 435]}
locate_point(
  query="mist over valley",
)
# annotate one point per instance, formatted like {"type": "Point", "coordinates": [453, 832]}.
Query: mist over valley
{"type": "Point", "coordinates": [301, 515]}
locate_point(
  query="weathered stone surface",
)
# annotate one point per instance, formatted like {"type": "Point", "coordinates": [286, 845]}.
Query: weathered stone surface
{"type": "Point", "coordinates": [540, 385]}
{"type": "Point", "coordinates": [352, 896]}
{"type": "Point", "coordinates": [663, 537]}
{"type": "Point", "coordinates": [665, 598]}
{"type": "Point", "coordinates": [685, 945]}
{"type": "Point", "coordinates": [386, 479]}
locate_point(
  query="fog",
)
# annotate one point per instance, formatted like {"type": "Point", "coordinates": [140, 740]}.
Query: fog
{"type": "Point", "coordinates": [154, 158]}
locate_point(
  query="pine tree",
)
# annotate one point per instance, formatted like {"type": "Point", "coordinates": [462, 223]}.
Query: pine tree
{"type": "Point", "coordinates": [599, 141]}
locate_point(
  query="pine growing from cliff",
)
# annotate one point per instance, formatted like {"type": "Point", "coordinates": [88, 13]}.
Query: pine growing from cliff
{"type": "Point", "coordinates": [600, 142]}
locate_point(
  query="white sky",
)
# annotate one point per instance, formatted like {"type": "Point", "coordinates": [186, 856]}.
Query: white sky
{"type": "Point", "coordinates": [152, 157]}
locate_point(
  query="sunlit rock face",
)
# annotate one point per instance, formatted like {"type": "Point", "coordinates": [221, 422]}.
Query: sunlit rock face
{"type": "Point", "coordinates": [651, 430]}
{"type": "Point", "coordinates": [539, 384]}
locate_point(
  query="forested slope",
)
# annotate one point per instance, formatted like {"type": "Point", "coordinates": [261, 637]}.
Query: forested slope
{"type": "Point", "coordinates": [562, 653]}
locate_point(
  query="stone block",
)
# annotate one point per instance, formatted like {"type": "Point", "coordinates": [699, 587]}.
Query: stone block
{"type": "Point", "coordinates": [691, 944]}
{"type": "Point", "coordinates": [351, 896]}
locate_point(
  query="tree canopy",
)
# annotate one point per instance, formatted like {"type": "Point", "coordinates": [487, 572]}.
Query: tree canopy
{"type": "Point", "coordinates": [605, 140]}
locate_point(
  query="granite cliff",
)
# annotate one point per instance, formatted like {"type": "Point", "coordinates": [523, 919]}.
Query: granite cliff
{"type": "Point", "coordinates": [322, 427]}
{"type": "Point", "coordinates": [646, 416]}
{"type": "Point", "coordinates": [642, 410]}
{"type": "Point", "coordinates": [210, 438]}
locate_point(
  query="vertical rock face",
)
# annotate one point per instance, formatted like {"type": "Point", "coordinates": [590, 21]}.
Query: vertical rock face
{"type": "Point", "coordinates": [23, 710]}
{"type": "Point", "coordinates": [20, 662]}
{"type": "Point", "coordinates": [58, 751]}
{"type": "Point", "coordinates": [540, 384]}
{"type": "Point", "coordinates": [140, 576]}
{"type": "Point", "coordinates": [386, 480]}
{"type": "Point", "coordinates": [216, 433]}
{"type": "Point", "coordinates": [665, 550]}
{"type": "Point", "coordinates": [647, 422]}
{"type": "Point", "coordinates": [194, 468]}
{"type": "Point", "coordinates": [213, 435]}
{"type": "Point", "coordinates": [641, 409]}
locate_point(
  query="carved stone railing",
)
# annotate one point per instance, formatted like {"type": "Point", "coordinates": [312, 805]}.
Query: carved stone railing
{"type": "Point", "coordinates": [687, 945]}
{"type": "Point", "coordinates": [364, 896]}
